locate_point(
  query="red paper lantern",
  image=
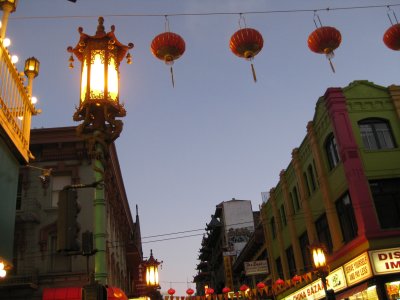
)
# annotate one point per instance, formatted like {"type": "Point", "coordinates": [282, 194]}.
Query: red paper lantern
{"type": "Point", "coordinates": [171, 291]}
{"type": "Point", "coordinates": [391, 38]}
{"type": "Point", "coordinates": [226, 290]}
{"type": "Point", "coordinates": [279, 281]}
{"type": "Point", "coordinates": [168, 46]}
{"type": "Point", "coordinates": [296, 279]}
{"type": "Point", "coordinates": [189, 291]}
{"type": "Point", "coordinates": [243, 288]}
{"type": "Point", "coordinates": [209, 291]}
{"type": "Point", "coordinates": [247, 43]}
{"type": "Point", "coordinates": [261, 285]}
{"type": "Point", "coordinates": [325, 40]}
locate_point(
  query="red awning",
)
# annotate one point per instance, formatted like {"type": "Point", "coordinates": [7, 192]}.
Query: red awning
{"type": "Point", "coordinates": [75, 293]}
{"type": "Point", "coordinates": [65, 293]}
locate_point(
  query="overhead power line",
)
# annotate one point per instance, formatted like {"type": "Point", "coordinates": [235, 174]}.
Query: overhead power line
{"type": "Point", "coordinates": [213, 13]}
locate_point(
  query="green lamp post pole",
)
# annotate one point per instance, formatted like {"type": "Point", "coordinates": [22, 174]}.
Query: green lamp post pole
{"type": "Point", "coordinates": [100, 56]}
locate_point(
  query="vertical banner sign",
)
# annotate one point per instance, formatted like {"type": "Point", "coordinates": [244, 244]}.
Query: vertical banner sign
{"type": "Point", "coordinates": [228, 271]}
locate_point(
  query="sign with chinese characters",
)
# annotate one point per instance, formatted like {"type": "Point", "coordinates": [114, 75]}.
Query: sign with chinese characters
{"type": "Point", "coordinates": [385, 261]}
{"type": "Point", "coordinates": [358, 269]}
{"type": "Point", "coordinates": [256, 267]}
{"type": "Point", "coordinates": [335, 280]}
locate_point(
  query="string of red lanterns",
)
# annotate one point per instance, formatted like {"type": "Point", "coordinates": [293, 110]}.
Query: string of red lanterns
{"type": "Point", "coordinates": [248, 42]}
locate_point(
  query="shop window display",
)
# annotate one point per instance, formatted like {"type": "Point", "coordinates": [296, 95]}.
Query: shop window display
{"type": "Point", "coordinates": [368, 294]}
{"type": "Point", "coordinates": [392, 289]}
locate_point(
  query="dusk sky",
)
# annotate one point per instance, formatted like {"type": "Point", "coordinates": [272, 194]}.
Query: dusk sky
{"type": "Point", "coordinates": [217, 135]}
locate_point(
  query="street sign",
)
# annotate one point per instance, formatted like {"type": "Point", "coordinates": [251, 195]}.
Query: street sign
{"type": "Point", "coordinates": [256, 267]}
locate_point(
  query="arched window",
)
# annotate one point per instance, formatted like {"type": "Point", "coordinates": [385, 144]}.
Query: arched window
{"type": "Point", "coordinates": [331, 151]}
{"type": "Point", "coordinates": [376, 134]}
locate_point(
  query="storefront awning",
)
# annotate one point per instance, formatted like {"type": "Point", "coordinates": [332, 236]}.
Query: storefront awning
{"type": "Point", "coordinates": [75, 293]}
{"type": "Point", "coordinates": [350, 292]}
{"type": "Point", "coordinates": [65, 293]}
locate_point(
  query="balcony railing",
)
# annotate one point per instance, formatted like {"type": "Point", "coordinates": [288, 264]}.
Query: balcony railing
{"type": "Point", "coordinates": [16, 109]}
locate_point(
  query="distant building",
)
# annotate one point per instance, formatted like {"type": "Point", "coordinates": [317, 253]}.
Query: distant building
{"type": "Point", "coordinates": [341, 189]}
{"type": "Point", "coordinates": [228, 232]}
{"type": "Point", "coordinates": [37, 262]}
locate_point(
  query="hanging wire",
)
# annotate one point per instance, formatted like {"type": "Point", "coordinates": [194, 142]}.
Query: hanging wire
{"type": "Point", "coordinates": [390, 11]}
{"type": "Point", "coordinates": [208, 13]}
{"type": "Point", "coordinates": [242, 19]}
{"type": "Point", "coordinates": [317, 20]}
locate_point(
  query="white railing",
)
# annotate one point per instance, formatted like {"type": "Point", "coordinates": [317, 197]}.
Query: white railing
{"type": "Point", "coordinates": [16, 109]}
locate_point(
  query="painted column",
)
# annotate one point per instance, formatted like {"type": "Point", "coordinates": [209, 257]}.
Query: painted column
{"type": "Point", "coordinates": [292, 227]}
{"type": "Point", "coordinates": [311, 231]}
{"type": "Point", "coordinates": [330, 208]}
{"type": "Point", "coordinates": [278, 221]}
{"type": "Point", "coordinates": [359, 191]}
{"type": "Point", "coordinates": [100, 218]}
{"type": "Point", "coordinates": [394, 91]}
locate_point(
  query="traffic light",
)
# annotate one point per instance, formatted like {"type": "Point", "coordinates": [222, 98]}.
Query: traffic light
{"type": "Point", "coordinates": [94, 291]}
{"type": "Point", "coordinates": [67, 225]}
{"type": "Point", "coordinates": [87, 243]}
{"type": "Point", "coordinates": [330, 294]}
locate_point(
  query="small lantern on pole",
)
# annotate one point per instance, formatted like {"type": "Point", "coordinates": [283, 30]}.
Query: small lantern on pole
{"type": "Point", "coordinates": [318, 253]}
{"type": "Point", "coordinates": [7, 6]}
{"type": "Point", "coordinates": [31, 71]}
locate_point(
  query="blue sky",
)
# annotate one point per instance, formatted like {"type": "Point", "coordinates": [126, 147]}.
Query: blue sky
{"type": "Point", "coordinates": [217, 135]}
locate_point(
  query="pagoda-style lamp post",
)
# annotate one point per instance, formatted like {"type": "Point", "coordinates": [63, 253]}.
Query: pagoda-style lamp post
{"type": "Point", "coordinates": [152, 271]}
{"type": "Point", "coordinates": [7, 6]}
{"type": "Point", "coordinates": [152, 279]}
{"type": "Point", "coordinates": [100, 56]}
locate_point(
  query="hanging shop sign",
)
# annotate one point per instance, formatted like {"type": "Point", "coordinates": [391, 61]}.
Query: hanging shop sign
{"type": "Point", "coordinates": [358, 269]}
{"type": "Point", "coordinates": [335, 280]}
{"type": "Point", "coordinates": [385, 261]}
{"type": "Point", "coordinates": [256, 267]}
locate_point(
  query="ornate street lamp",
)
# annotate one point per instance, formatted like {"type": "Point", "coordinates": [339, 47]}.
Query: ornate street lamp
{"type": "Point", "coordinates": [99, 105]}
{"type": "Point", "coordinates": [321, 267]}
{"type": "Point", "coordinates": [152, 271]}
{"type": "Point", "coordinates": [7, 6]}
{"type": "Point", "coordinates": [100, 55]}
{"type": "Point", "coordinates": [31, 71]}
